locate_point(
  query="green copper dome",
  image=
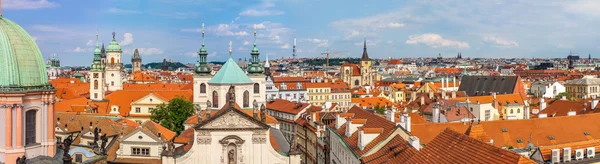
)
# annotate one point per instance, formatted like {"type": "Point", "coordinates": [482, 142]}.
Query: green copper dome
{"type": "Point", "coordinates": [21, 60]}
{"type": "Point", "coordinates": [230, 73]}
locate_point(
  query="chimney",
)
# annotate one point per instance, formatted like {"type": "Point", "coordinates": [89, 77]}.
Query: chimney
{"type": "Point", "coordinates": [542, 104]}
{"type": "Point", "coordinates": [571, 113]}
{"type": "Point", "coordinates": [594, 102]}
{"type": "Point", "coordinates": [444, 94]}
{"type": "Point", "coordinates": [494, 95]}
{"type": "Point", "coordinates": [526, 111]}
{"type": "Point", "coordinates": [368, 89]}
{"type": "Point", "coordinates": [389, 115]}
{"type": "Point", "coordinates": [442, 83]}
{"type": "Point", "coordinates": [436, 113]}
{"type": "Point", "coordinates": [454, 82]}
{"type": "Point", "coordinates": [453, 94]}
{"type": "Point", "coordinates": [414, 142]}
{"type": "Point", "coordinates": [447, 83]}
{"type": "Point", "coordinates": [349, 129]}
{"type": "Point", "coordinates": [365, 138]}
{"type": "Point", "coordinates": [339, 121]}
{"type": "Point", "coordinates": [407, 123]}
{"type": "Point", "coordinates": [422, 100]}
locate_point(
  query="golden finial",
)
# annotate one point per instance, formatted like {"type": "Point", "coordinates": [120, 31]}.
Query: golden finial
{"type": "Point", "coordinates": [202, 28]}
{"type": "Point", "coordinates": [230, 48]}
{"type": "Point", "coordinates": [254, 29]}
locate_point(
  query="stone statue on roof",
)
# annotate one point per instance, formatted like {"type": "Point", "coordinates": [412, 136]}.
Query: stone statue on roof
{"type": "Point", "coordinates": [67, 146]}
{"type": "Point", "coordinates": [96, 137]}
{"type": "Point", "coordinates": [104, 140]}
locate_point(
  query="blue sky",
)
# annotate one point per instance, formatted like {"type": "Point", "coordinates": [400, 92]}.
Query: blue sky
{"type": "Point", "coordinates": [420, 28]}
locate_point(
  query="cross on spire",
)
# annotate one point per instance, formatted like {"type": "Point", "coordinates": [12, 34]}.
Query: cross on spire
{"type": "Point", "coordinates": [202, 34]}
{"type": "Point", "coordinates": [254, 35]}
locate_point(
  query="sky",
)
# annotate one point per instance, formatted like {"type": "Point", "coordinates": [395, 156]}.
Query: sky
{"type": "Point", "coordinates": [171, 29]}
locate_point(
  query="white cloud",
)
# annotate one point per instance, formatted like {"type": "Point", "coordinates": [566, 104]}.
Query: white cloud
{"type": "Point", "coordinates": [246, 43]}
{"type": "Point", "coordinates": [89, 43]}
{"type": "Point", "coordinates": [79, 49]}
{"type": "Point", "coordinates": [220, 30]}
{"type": "Point", "coordinates": [258, 13]}
{"type": "Point", "coordinates": [113, 10]}
{"type": "Point", "coordinates": [285, 46]}
{"type": "Point", "coordinates": [500, 41]}
{"type": "Point", "coordinates": [585, 7]}
{"type": "Point", "coordinates": [127, 39]}
{"type": "Point", "coordinates": [319, 42]}
{"type": "Point", "coordinates": [191, 54]}
{"type": "Point", "coordinates": [435, 41]}
{"type": "Point", "coordinates": [390, 41]}
{"type": "Point", "coordinates": [179, 15]}
{"type": "Point", "coordinates": [394, 25]}
{"type": "Point", "coordinates": [369, 43]}
{"type": "Point", "coordinates": [27, 4]}
{"type": "Point", "coordinates": [212, 54]}
{"type": "Point", "coordinates": [47, 28]}
{"type": "Point", "coordinates": [150, 51]}
{"type": "Point", "coordinates": [369, 26]}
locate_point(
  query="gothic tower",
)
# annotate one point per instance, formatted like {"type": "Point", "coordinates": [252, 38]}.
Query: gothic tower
{"type": "Point", "coordinates": [97, 75]}
{"type": "Point", "coordinates": [136, 61]}
{"type": "Point", "coordinates": [365, 67]}
{"type": "Point", "coordinates": [114, 65]}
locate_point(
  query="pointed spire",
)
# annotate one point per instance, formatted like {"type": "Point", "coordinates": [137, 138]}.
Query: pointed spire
{"type": "Point", "coordinates": [365, 55]}
{"type": "Point", "coordinates": [267, 64]}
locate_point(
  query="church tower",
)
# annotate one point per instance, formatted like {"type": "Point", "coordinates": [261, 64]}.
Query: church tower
{"type": "Point", "coordinates": [114, 65]}
{"type": "Point", "coordinates": [365, 67]}
{"type": "Point", "coordinates": [136, 61]}
{"type": "Point", "coordinates": [256, 74]}
{"type": "Point", "coordinates": [97, 75]}
{"type": "Point", "coordinates": [202, 75]}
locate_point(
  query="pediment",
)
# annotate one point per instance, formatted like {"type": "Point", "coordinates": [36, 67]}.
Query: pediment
{"type": "Point", "coordinates": [149, 99]}
{"type": "Point", "coordinates": [232, 119]}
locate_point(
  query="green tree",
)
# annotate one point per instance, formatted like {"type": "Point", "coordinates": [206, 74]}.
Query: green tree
{"type": "Point", "coordinates": [567, 95]}
{"type": "Point", "coordinates": [379, 109]}
{"type": "Point", "coordinates": [173, 115]}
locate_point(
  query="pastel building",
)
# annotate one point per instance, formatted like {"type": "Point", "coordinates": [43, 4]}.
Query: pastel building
{"type": "Point", "coordinates": [26, 97]}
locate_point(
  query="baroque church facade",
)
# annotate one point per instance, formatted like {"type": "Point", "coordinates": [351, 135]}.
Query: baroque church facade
{"type": "Point", "coordinates": [229, 128]}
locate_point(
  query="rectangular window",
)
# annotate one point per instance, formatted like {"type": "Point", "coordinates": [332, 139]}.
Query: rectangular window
{"type": "Point", "coordinates": [138, 110]}
{"type": "Point", "coordinates": [140, 151]}
{"type": "Point", "coordinates": [78, 158]}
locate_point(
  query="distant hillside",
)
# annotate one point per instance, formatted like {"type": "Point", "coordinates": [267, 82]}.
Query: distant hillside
{"type": "Point", "coordinates": [158, 65]}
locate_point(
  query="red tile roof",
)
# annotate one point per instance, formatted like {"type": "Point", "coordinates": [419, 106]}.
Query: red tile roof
{"type": "Point", "coordinates": [285, 106]}
{"type": "Point", "coordinates": [397, 150]}
{"type": "Point", "coordinates": [453, 147]}
{"type": "Point", "coordinates": [372, 121]}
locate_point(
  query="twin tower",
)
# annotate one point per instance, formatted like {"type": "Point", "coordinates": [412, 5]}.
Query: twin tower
{"type": "Point", "coordinates": [106, 70]}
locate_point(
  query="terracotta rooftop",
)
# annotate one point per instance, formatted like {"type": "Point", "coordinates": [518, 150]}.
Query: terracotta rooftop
{"type": "Point", "coordinates": [373, 121]}
{"type": "Point", "coordinates": [453, 147]}
{"type": "Point", "coordinates": [397, 150]}
{"type": "Point", "coordinates": [285, 106]}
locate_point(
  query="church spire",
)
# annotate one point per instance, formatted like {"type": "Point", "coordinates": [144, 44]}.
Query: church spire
{"type": "Point", "coordinates": [202, 66]}
{"type": "Point", "coordinates": [365, 55]}
{"type": "Point", "coordinates": [254, 66]}
{"type": "Point", "coordinates": [97, 64]}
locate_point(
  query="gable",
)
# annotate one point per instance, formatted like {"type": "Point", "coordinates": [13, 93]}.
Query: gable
{"type": "Point", "coordinates": [139, 135]}
{"type": "Point", "coordinates": [149, 99]}
{"type": "Point", "coordinates": [232, 119]}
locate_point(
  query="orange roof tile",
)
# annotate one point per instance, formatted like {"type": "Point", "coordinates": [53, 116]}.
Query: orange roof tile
{"type": "Point", "coordinates": [450, 147]}
{"type": "Point", "coordinates": [285, 106]}
{"type": "Point", "coordinates": [397, 150]}
{"type": "Point", "coordinates": [374, 121]}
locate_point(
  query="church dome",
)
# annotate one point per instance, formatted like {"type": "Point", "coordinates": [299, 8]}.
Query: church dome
{"type": "Point", "coordinates": [113, 46]}
{"type": "Point", "coordinates": [21, 60]}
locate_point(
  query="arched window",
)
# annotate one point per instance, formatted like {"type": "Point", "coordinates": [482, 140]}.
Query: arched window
{"type": "Point", "coordinates": [347, 72]}
{"type": "Point", "coordinates": [112, 60]}
{"type": "Point", "coordinates": [30, 124]}
{"type": "Point", "coordinates": [511, 111]}
{"type": "Point", "coordinates": [95, 84]}
{"type": "Point", "coordinates": [356, 82]}
{"type": "Point", "coordinates": [519, 110]}
{"type": "Point", "coordinates": [215, 100]}
{"type": "Point", "coordinates": [256, 88]}
{"type": "Point", "coordinates": [246, 99]}
{"type": "Point", "coordinates": [202, 88]}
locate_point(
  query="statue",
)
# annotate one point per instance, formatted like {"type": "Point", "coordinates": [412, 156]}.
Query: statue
{"type": "Point", "coordinates": [114, 35]}
{"type": "Point", "coordinates": [22, 160]}
{"type": "Point", "coordinates": [231, 95]}
{"type": "Point", "coordinates": [67, 146]}
{"type": "Point", "coordinates": [231, 156]}
{"type": "Point", "coordinates": [263, 118]}
{"type": "Point", "coordinates": [104, 140]}
{"type": "Point", "coordinates": [96, 135]}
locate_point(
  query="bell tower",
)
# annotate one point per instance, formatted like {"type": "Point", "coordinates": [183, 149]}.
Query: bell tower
{"type": "Point", "coordinates": [97, 80]}
{"type": "Point", "coordinates": [114, 65]}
